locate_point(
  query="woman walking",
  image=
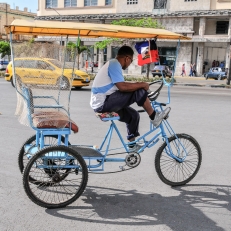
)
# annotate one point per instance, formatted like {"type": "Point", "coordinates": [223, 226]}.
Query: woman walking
{"type": "Point", "coordinates": [183, 72]}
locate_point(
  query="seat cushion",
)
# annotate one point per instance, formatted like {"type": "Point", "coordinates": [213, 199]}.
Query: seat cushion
{"type": "Point", "coordinates": [105, 116]}
{"type": "Point", "coordinates": [53, 120]}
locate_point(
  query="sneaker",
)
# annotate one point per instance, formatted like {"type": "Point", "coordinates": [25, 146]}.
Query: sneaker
{"type": "Point", "coordinates": [136, 147]}
{"type": "Point", "coordinates": [160, 116]}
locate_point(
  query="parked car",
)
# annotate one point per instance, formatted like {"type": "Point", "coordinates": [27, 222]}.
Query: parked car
{"type": "Point", "coordinates": [217, 73]}
{"type": "Point", "coordinates": [161, 69]}
{"type": "Point", "coordinates": [45, 71]}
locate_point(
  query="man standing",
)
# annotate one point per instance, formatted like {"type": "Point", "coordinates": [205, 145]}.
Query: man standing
{"type": "Point", "coordinates": [110, 93]}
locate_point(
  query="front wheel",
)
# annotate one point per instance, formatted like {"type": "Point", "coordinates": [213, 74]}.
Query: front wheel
{"type": "Point", "coordinates": [62, 175]}
{"type": "Point", "coordinates": [182, 169]}
{"type": "Point", "coordinates": [64, 83]}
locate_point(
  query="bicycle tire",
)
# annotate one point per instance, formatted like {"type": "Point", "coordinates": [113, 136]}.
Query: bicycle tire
{"type": "Point", "coordinates": [22, 158]}
{"type": "Point", "coordinates": [173, 172]}
{"type": "Point", "coordinates": [55, 191]}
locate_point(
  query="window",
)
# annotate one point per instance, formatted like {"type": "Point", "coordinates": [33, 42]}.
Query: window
{"type": "Point", "coordinates": [90, 2]}
{"type": "Point", "coordinates": [70, 3]}
{"type": "Point", "coordinates": [222, 27]}
{"type": "Point", "coordinates": [129, 2]}
{"type": "Point", "coordinates": [108, 2]}
{"type": "Point", "coordinates": [160, 4]}
{"type": "Point", "coordinates": [51, 3]}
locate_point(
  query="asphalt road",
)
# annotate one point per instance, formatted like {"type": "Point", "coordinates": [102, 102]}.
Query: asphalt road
{"type": "Point", "coordinates": [136, 199]}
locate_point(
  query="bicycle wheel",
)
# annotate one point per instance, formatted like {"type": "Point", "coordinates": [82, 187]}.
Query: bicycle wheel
{"type": "Point", "coordinates": [62, 175]}
{"type": "Point", "coordinates": [49, 140]}
{"type": "Point", "coordinates": [172, 171]}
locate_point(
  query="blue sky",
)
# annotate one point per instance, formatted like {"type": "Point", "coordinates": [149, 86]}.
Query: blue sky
{"type": "Point", "coordinates": [32, 5]}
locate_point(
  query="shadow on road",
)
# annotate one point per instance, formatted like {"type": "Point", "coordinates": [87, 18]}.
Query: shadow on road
{"type": "Point", "coordinates": [182, 212]}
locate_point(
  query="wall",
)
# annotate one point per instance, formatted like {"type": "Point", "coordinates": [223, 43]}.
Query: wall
{"type": "Point", "coordinates": [181, 5]}
{"type": "Point", "coordinates": [184, 56]}
{"type": "Point", "coordinates": [80, 9]}
{"type": "Point", "coordinates": [7, 17]}
{"type": "Point", "coordinates": [180, 25]}
{"type": "Point", "coordinates": [220, 4]}
{"type": "Point", "coordinates": [142, 6]}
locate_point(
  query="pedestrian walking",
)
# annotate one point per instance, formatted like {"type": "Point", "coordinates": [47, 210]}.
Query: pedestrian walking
{"type": "Point", "coordinates": [183, 72]}
{"type": "Point", "coordinates": [92, 67]}
{"type": "Point", "coordinates": [86, 65]}
{"type": "Point", "coordinates": [191, 70]}
{"type": "Point", "coordinates": [194, 70]}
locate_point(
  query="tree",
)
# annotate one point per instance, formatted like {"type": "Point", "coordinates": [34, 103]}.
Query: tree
{"type": "Point", "coordinates": [5, 48]}
{"type": "Point", "coordinates": [76, 49]}
{"type": "Point", "coordinates": [143, 22]}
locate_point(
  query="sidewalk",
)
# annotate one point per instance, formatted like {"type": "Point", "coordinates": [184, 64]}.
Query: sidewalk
{"type": "Point", "coordinates": [200, 82]}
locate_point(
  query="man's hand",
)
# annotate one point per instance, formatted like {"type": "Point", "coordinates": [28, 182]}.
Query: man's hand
{"type": "Point", "coordinates": [130, 87]}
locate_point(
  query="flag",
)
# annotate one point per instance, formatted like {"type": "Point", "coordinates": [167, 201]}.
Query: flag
{"type": "Point", "coordinates": [147, 52]}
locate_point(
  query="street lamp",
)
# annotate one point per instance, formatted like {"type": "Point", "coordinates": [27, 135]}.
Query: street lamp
{"type": "Point", "coordinates": [61, 19]}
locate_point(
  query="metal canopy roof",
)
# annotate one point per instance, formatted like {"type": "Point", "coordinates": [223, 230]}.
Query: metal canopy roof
{"type": "Point", "coordinates": [54, 28]}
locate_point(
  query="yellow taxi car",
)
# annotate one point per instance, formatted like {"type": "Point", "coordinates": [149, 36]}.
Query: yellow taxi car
{"type": "Point", "coordinates": [44, 71]}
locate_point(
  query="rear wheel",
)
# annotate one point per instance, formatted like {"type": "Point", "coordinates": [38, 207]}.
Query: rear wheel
{"type": "Point", "coordinates": [62, 175]}
{"type": "Point", "coordinates": [24, 156]}
{"type": "Point", "coordinates": [176, 172]}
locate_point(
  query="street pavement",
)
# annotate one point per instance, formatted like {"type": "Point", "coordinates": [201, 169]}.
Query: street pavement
{"type": "Point", "coordinates": [136, 199]}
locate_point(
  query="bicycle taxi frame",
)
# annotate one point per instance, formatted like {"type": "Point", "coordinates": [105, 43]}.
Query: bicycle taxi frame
{"type": "Point", "coordinates": [55, 173]}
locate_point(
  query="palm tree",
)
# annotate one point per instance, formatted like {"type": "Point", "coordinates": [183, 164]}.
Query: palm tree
{"type": "Point", "coordinates": [76, 49]}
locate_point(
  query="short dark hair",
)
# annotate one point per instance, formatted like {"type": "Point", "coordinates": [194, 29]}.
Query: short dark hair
{"type": "Point", "coordinates": [125, 50]}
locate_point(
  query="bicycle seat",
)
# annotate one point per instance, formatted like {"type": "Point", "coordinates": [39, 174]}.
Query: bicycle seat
{"type": "Point", "coordinates": [106, 116]}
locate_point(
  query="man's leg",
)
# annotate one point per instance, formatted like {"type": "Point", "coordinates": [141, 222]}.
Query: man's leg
{"type": "Point", "coordinates": [131, 117]}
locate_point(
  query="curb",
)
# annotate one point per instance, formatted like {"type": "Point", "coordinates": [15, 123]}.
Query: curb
{"type": "Point", "coordinates": [202, 85]}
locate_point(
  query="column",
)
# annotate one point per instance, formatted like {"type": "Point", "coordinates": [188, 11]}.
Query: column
{"type": "Point", "coordinates": [202, 26]}
{"type": "Point", "coordinates": [200, 59]}
{"type": "Point", "coordinates": [109, 52]}
{"type": "Point", "coordinates": [229, 30]}
{"type": "Point", "coordinates": [80, 3]}
{"type": "Point", "coordinates": [102, 21]}
{"type": "Point", "coordinates": [95, 55]}
{"type": "Point", "coordinates": [100, 63]}
{"type": "Point", "coordinates": [227, 59]}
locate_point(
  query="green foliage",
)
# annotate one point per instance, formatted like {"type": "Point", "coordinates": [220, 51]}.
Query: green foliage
{"type": "Point", "coordinates": [76, 48]}
{"type": "Point", "coordinates": [103, 44]}
{"type": "Point", "coordinates": [31, 40]}
{"type": "Point", "coordinates": [139, 79]}
{"type": "Point", "coordinates": [143, 22]}
{"type": "Point", "coordinates": [5, 48]}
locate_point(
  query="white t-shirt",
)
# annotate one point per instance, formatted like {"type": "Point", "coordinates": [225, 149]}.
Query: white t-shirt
{"type": "Point", "coordinates": [104, 82]}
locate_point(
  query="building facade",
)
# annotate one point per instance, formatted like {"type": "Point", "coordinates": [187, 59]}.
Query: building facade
{"type": "Point", "coordinates": [207, 22]}
{"type": "Point", "coordinates": [8, 15]}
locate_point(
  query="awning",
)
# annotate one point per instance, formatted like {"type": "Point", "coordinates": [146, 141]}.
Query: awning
{"type": "Point", "coordinates": [54, 28]}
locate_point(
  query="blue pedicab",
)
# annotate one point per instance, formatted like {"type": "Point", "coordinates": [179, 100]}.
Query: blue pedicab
{"type": "Point", "coordinates": [55, 172]}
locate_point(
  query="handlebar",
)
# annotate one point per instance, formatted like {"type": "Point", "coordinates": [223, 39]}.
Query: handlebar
{"type": "Point", "coordinates": [154, 95]}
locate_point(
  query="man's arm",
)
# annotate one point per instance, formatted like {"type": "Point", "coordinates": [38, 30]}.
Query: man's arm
{"type": "Point", "coordinates": [130, 87]}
